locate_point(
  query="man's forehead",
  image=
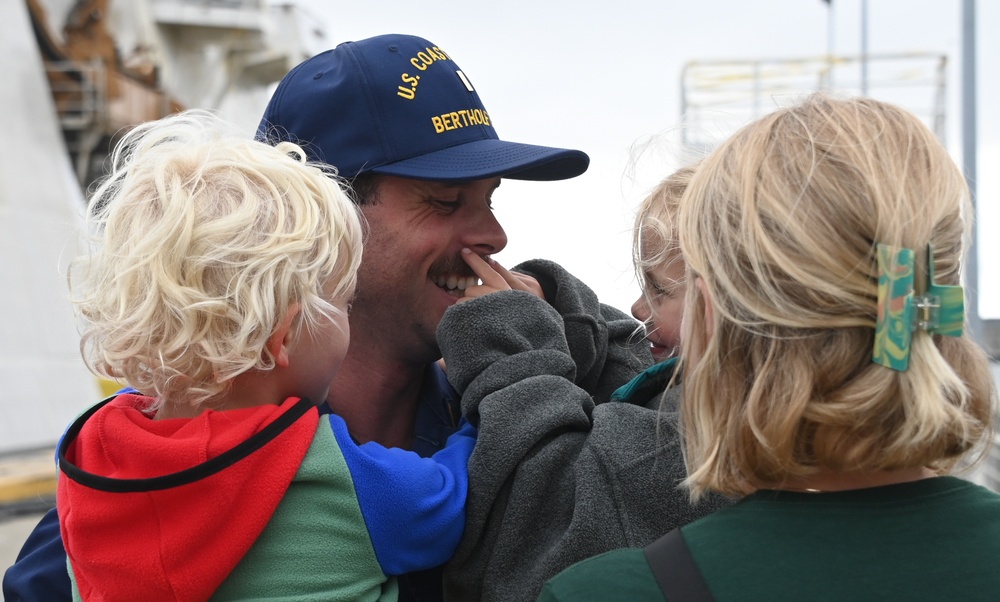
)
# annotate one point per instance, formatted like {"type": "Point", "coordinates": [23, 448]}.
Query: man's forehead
{"type": "Point", "coordinates": [439, 187]}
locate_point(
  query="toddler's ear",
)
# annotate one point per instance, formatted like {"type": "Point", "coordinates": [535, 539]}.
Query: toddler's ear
{"type": "Point", "coordinates": [280, 338]}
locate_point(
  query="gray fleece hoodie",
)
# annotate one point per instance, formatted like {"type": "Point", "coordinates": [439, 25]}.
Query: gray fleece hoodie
{"type": "Point", "coordinates": [560, 472]}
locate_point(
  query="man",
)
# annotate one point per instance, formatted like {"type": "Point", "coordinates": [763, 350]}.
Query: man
{"type": "Point", "coordinates": [550, 482]}
{"type": "Point", "coordinates": [405, 127]}
{"type": "Point", "coordinates": [404, 124]}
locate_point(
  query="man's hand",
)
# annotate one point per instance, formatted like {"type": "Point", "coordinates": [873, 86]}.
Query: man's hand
{"type": "Point", "coordinates": [495, 278]}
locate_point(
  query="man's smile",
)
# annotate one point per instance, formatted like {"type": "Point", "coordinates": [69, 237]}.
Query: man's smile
{"type": "Point", "coordinates": [454, 284]}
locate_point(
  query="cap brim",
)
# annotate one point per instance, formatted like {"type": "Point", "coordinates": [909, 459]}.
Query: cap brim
{"type": "Point", "coordinates": [488, 159]}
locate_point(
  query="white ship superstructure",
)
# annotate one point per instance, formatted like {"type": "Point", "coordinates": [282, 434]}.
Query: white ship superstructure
{"type": "Point", "coordinates": [76, 73]}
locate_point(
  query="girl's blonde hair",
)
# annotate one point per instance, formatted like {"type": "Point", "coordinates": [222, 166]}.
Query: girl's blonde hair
{"type": "Point", "coordinates": [654, 237]}
{"type": "Point", "coordinates": [201, 243]}
{"type": "Point", "coordinates": [781, 223]}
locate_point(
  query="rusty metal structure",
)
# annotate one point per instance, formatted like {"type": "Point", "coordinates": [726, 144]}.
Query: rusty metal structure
{"type": "Point", "coordinates": [77, 74]}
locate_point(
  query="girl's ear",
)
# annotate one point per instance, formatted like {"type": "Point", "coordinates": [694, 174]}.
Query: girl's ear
{"type": "Point", "coordinates": [280, 340]}
{"type": "Point", "coordinates": [709, 307]}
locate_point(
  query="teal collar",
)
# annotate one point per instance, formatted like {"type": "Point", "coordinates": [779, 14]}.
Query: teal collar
{"type": "Point", "coordinates": [647, 383]}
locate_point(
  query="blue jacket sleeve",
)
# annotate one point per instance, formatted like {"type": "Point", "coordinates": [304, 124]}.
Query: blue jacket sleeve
{"type": "Point", "coordinates": [39, 573]}
{"type": "Point", "coordinates": [414, 507]}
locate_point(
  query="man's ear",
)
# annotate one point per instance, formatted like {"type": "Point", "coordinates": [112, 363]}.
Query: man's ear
{"type": "Point", "coordinates": [709, 307]}
{"type": "Point", "coordinates": [280, 340]}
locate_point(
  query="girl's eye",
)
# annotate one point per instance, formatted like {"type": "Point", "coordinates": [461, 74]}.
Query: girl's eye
{"type": "Point", "coordinates": [673, 291]}
{"type": "Point", "coordinates": [655, 290]}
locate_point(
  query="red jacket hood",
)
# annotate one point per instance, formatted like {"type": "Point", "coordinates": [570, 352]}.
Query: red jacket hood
{"type": "Point", "coordinates": [165, 509]}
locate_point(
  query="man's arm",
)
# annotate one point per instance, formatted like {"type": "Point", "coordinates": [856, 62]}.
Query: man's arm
{"type": "Point", "coordinates": [39, 573]}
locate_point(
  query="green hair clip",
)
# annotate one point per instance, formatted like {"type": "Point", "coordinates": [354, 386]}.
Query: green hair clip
{"type": "Point", "coordinates": [941, 310]}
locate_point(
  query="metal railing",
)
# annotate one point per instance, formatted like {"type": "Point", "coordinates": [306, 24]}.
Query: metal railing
{"type": "Point", "coordinates": [718, 97]}
{"type": "Point", "coordinates": [80, 93]}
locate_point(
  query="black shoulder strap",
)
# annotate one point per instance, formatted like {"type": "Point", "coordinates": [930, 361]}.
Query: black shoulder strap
{"type": "Point", "coordinates": [675, 570]}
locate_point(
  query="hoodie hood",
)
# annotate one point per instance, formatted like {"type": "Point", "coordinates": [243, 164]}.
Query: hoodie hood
{"type": "Point", "coordinates": [165, 509]}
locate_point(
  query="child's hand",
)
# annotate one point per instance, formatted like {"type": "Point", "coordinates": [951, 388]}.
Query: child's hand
{"type": "Point", "coordinates": [495, 278]}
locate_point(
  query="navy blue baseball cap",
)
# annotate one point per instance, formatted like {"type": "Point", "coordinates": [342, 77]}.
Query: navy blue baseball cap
{"type": "Point", "coordinates": [399, 105]}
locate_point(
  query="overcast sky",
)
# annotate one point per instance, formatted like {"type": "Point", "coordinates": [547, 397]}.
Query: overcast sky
{"type": "Point", "coordinates": [605, 77]}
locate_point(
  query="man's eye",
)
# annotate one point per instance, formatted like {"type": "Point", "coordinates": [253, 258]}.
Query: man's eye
{"type": "Point", "coordinates": [448, 205]}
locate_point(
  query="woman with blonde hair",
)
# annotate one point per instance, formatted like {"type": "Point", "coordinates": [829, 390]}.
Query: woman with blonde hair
{"type": "Point", "coordinates": [827, 380]}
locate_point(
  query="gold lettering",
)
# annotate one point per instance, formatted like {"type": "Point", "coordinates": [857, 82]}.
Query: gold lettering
{"type": "Point", "coordinates": [406, 93]}
{"type": "Point", "coordinates": [460, 119]}
{"type": "Point", "coordinates": [423, 60]}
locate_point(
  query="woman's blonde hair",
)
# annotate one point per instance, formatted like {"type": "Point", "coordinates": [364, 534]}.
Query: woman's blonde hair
{"type": "Point", "coordinates": [202, 242]}
{"type": "Point", "coordinates": [781, 223]}
{"type": "Point", "coordinates": [654, 237]}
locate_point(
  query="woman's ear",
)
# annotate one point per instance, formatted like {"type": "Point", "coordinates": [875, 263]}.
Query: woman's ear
{"type": "Point", "coordinates": [280, 340]}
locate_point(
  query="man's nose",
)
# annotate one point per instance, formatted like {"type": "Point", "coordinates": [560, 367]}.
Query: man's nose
{"type": "Point", "coordinates": [483, 233]}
